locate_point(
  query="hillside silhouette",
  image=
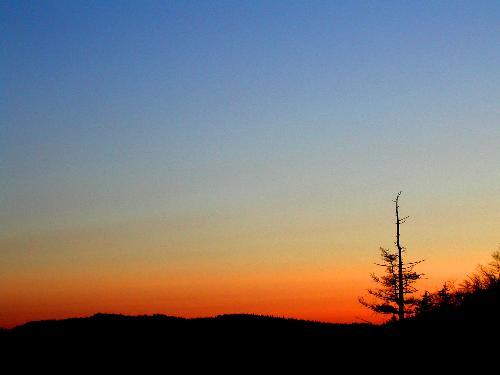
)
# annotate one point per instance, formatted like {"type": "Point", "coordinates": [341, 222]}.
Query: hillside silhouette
{"type": "Point", "coordinates": [453, 321]}
{"type": "Point", "coordinates": [470, 324]}
{"type": "Point", "coordinates": [226, 332]}
{"type": "Point", "coordinates": [247, 341]}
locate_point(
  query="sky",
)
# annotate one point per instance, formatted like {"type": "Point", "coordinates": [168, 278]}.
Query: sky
{"type": "Point", "coordinates": [196, 158]}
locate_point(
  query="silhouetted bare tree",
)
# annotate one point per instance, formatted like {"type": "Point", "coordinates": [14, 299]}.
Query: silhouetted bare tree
{"type": "Point", "coordinates": [396, 285]}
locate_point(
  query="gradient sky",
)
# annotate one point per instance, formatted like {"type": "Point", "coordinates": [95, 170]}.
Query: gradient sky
{"type": "Point", "coordinates": [208, 157]}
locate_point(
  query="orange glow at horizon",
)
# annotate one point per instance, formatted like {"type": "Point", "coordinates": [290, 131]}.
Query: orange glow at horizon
{"type": "Point", "coordinates": [327, 294]}
{"type": "Point", "coordinates": [292, 266]}
{"type": "Point", "coordinates": [305, 295]}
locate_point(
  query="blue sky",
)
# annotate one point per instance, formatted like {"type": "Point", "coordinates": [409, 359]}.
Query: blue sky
{"type": "Point", "coordinates": [129, 100]}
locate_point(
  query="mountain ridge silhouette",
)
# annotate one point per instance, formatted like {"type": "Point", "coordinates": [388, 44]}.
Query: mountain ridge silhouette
{"type": "Point", "coordinates": [242, 339]}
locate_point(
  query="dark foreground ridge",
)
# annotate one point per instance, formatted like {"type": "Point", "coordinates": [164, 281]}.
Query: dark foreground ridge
{"type": "Point", "coordinates": [245, 332]}
{"type": "Point", "coordinates": [159, 339]}
{"type": "Point", "coordinates": [224, 331]}
{"type": "Point", "coordinates": [451, 329]}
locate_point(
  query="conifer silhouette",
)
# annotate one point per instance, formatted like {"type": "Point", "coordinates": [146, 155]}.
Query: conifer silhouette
{"type": "Point", "coordinates": [396, 285]}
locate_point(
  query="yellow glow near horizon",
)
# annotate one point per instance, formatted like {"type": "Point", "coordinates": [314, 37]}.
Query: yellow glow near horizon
{"type": "Point", "coordinates": [276, 270]}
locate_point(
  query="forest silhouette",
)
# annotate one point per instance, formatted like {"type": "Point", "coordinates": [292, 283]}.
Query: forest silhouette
{"type": "Point", "coordinates": [448, 319]}
{"type": "Point", "coordinates": [457, 318]}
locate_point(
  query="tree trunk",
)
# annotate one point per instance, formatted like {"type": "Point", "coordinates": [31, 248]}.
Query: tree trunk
{"type": "Point", "coordinates": [401, 302]}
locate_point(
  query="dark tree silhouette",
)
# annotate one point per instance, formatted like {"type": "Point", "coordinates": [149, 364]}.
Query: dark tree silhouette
{"type": "Point", "coordinates": [426, 304]}
{"type": "Point", "coordinates": [396, 285]}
